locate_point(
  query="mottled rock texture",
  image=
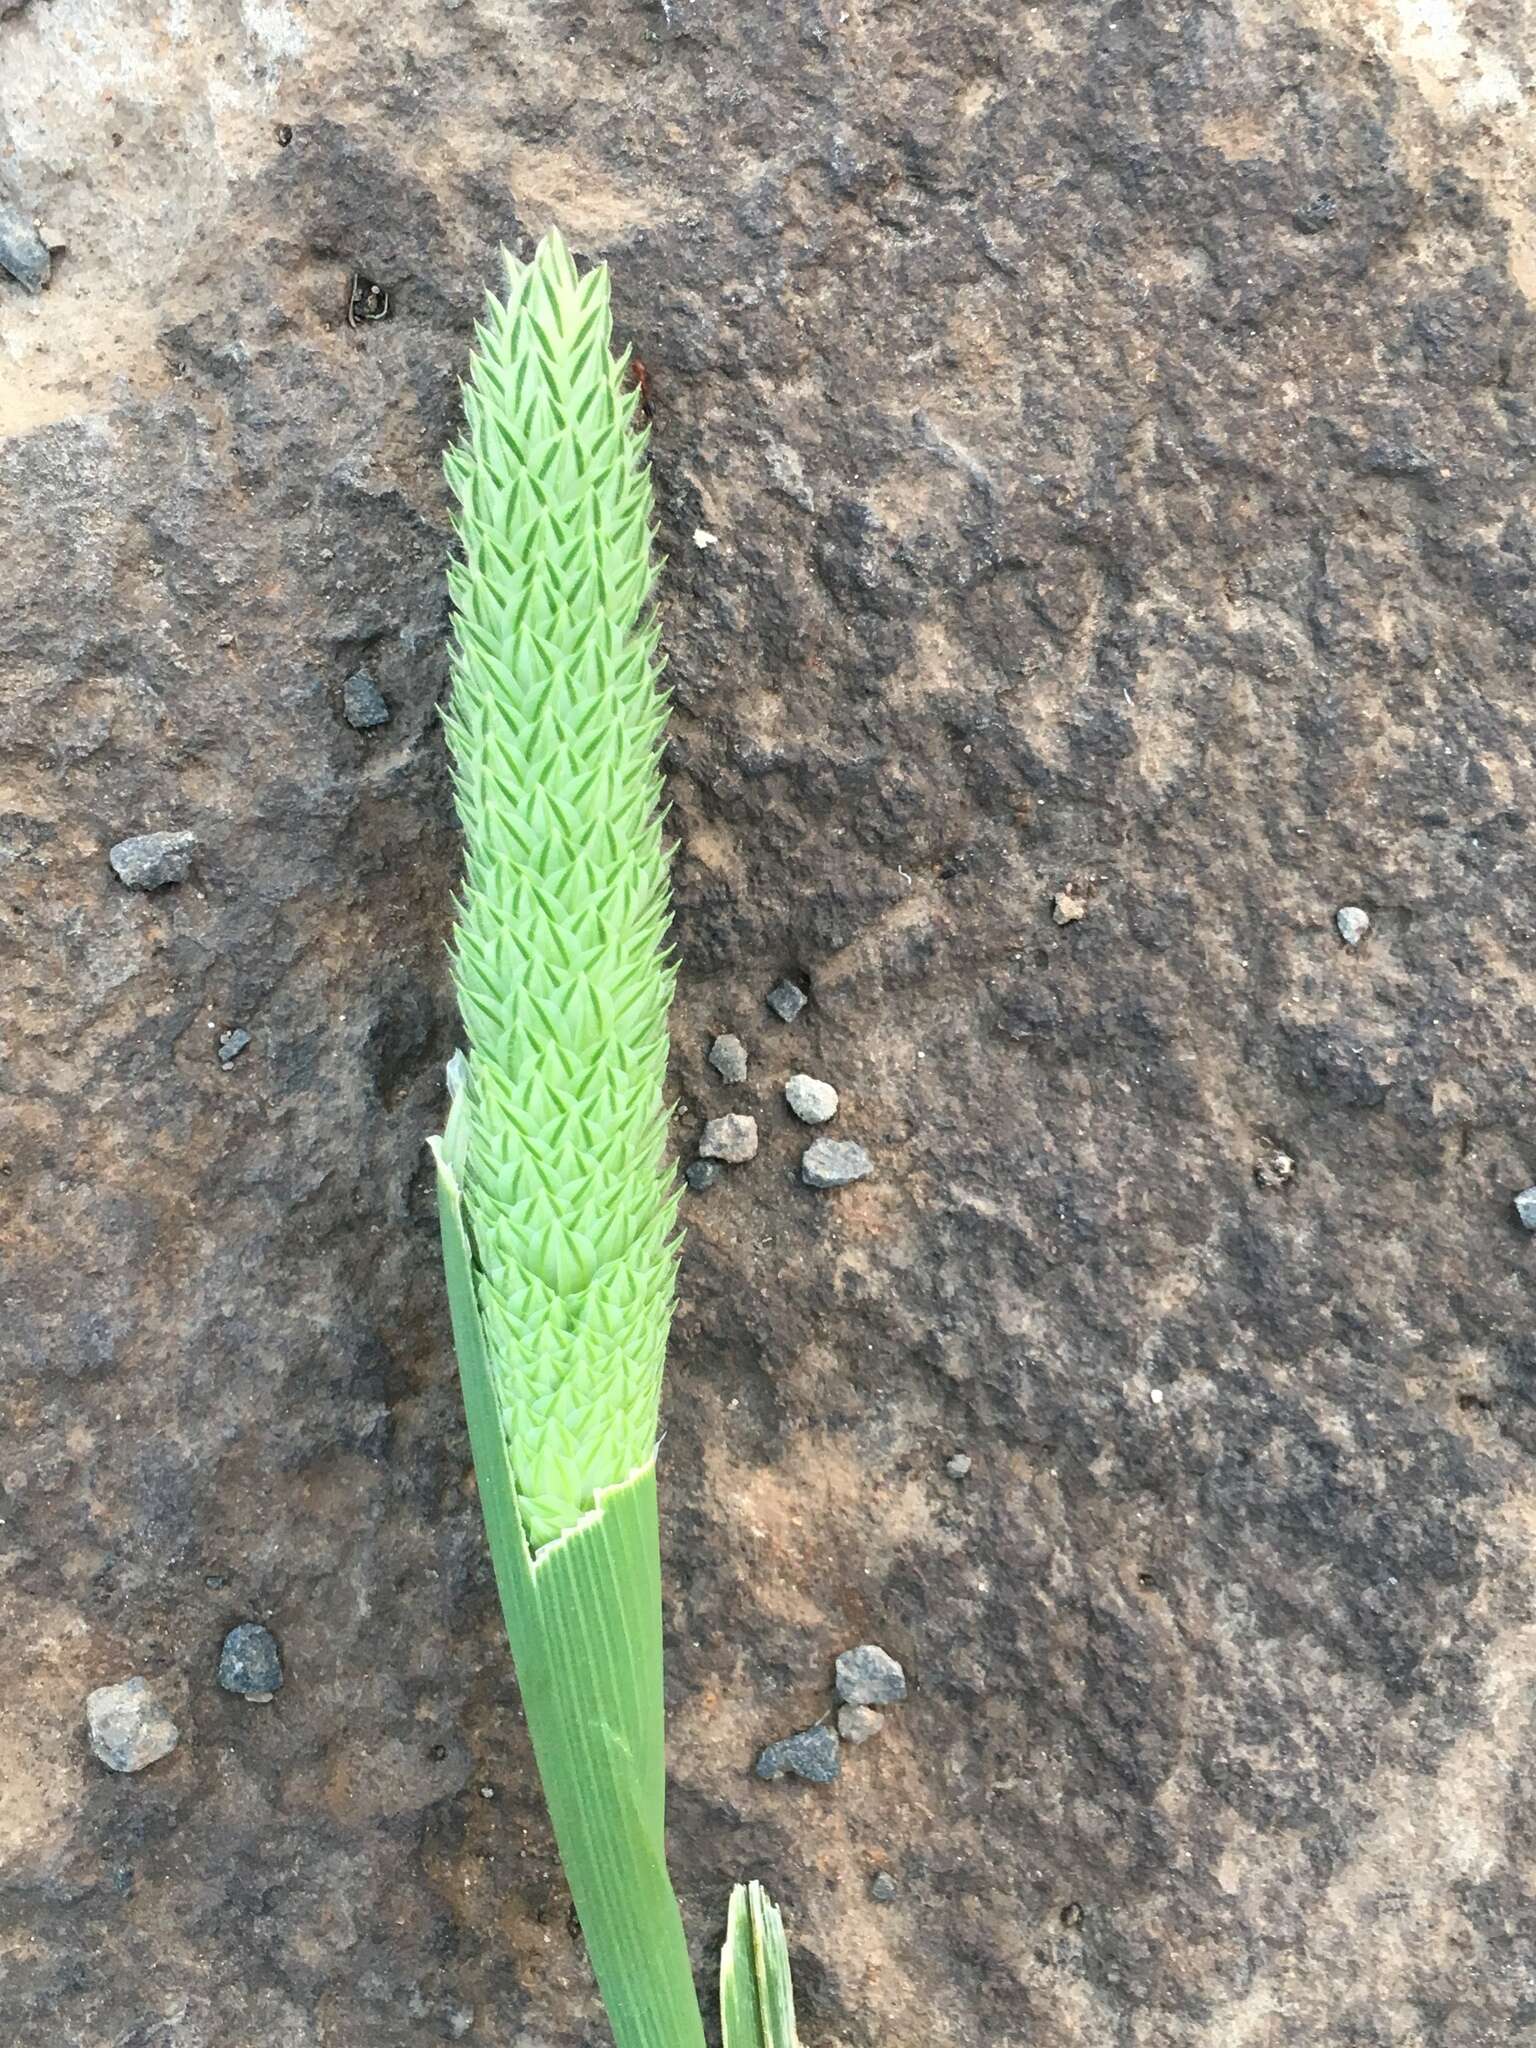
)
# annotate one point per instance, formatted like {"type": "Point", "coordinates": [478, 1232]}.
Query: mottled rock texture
{"type": "Point", "coordinates": [1116, 422]}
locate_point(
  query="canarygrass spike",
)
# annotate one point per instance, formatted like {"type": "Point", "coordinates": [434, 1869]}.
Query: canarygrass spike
{"type": "Point", "coordinates": [553, 728]}
{"type": "Point", "coordinates": [558, 1211]}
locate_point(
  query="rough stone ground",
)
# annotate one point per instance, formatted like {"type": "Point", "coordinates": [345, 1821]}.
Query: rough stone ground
{"type": "Point", "coordinates": [1116, 421]}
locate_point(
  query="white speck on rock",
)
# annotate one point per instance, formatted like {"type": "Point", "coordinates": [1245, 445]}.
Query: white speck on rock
{"type": "Point", "coordinates": [1067, 908]}
{"type": "Point", "coordinates": [703, 538]}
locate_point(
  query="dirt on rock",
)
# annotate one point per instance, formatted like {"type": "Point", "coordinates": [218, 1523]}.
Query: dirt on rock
{"type": "Point", "coordinates": [1094, 448]}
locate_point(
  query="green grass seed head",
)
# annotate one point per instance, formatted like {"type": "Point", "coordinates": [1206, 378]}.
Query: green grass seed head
{"type": "Point", "coordinates": [554, 725]}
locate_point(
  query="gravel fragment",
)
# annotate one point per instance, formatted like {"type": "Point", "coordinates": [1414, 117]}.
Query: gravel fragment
{"type": "Point", "coordinates": [152, 860]}
{"type": "Point", "coordinates": [812, 1754]}
{"type": "Point", "coordinates": [959, 1466]}
{"type": "Point", "coordinates": [870, 1677]}
{"type": "Point", "coordinates": [731, 1138]}
{"type": "Point", "coordinates": [1353, 923]}
{"type": "Point", "coordinates": [833, 1162]}
{"type": "Point", "coordinates": [858, 1724]}
{"type": "Point", "coordinates": [23, 253]}
{"type": "Point", "coordinates": [813, 1101]}
{"type": "Point", "coordinates": [702, 1175]}
{"type": "Point", "coordinates": [249, 1663]}
{"type": "Point", "coordinates": [1525, 1207]}
{"type": "Point", "coordinates": [787, 1001]}
{"type": "Point", "coordinates": [363, 703]}
{"type": "Point", "coordinates": [882, 1888]}
{"type": "Point", "coordinates": [1067, 908]}
{"type": "Point", "coordinates": [231, 1045]}
{"type": "Point", "coordinates": [1275, 1170]}
{"type": "Point", "coordinates": [129, 1729]}
{"type": "Point", "coordinates": [728, 1057]}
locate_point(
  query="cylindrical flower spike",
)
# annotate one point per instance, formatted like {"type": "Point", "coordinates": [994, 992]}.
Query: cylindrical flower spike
{"type": "Point", "coordinates": [554, 726]}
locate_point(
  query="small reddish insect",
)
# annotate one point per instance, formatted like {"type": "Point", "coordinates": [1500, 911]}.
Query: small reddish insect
{"type": "Point", "coordinates": [640, 378]}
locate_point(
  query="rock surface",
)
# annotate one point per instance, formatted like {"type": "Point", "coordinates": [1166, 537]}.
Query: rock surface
{"type": "Point", "coordinates": [1117, 421]}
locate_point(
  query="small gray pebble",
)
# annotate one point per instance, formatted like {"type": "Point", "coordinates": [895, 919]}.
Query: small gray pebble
{"type": "Point", "coordinates": [1525, 1207]}
{"type": "Point", "coordinates": [833, 1162]}
{"type": "Point", "coordinates": [128, 1727]}
{"type": "Point", "coordinates": [1353, 923]}
{"type": "Point", "coordinates": [231, 1045]}
{"type": "Point", "coordinates": [814, 1102]}
{"type": "Point", "coordinates": [23, 253]}
{"type": "Point", "coordinates": [153, 859]}
{"type": "Point", "coordinates": [882, 1888]}
{"type": "Point", "coordinates": [787, 1001]}
{"type": "Point", "coordinates": [869, 1677]}
{"type": "Point", "coordinates": [812, 1754]}
{"type": "Point", "coordinates": [702, 1175]}
{"type": "Point", "coordinates": [249, 1663]}
{"type": "Point", "coordinates": [959, 1466]}
{"type": "Point", "coordinates": [363, 702]}
{"type": "Point", "coordinates": [728, 1057]}
{"type": "Point", "coordinates": [1275, 1170]}
{"type": "Point", "coordinates": [858, 1724]}
{"type": "Point", "coordinates": [731, 1138]}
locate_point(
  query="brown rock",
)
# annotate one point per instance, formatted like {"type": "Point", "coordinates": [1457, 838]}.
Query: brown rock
{"type": "Point", "coordinates": [1155, 383]}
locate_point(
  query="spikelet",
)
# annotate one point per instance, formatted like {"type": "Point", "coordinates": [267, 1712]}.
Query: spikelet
{"type": "Point", "coordinates": [555, 726]}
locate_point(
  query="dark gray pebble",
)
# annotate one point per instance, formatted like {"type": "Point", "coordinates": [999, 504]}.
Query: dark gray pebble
{"type": "Point", "coordinates": [23, 254]}
{"type": "Point", "coordinates": [883, 1888]}
{"type": "Point", "coordinates": [834, 1162]}
{"type": "Point", "coordinates": [787, 1001]}
{"type": "Point", "coordinates": [152, 860]}
{"type": "Point", "coordinates": [812, 1754]}
{"type": "Point", "coordinates": [869, 1677]}
{"type": "Point", "coordinates": [703, 1174]}
{"type": "Point", "coordinates": [728, 1057]}
{"type": "Point", "coordinates": [363, 702]}
{"type": "Point", "coordinates": [249, 1663]}
{"type": "Point", "coordinates": [231, 1045]}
